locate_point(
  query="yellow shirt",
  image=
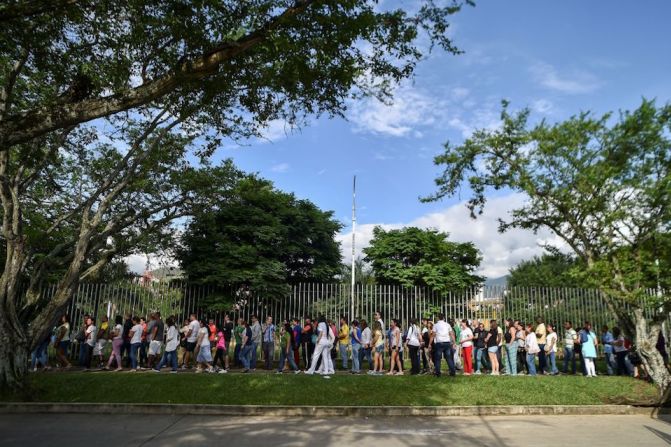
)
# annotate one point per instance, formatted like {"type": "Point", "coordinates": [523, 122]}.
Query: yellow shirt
{"type": "Point", "coordinates": [343, 332]}
{"type": "Point", "coordinates": [541, 333]}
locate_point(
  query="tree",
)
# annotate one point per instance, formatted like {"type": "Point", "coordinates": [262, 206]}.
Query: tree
{"type": "Point", "coordinates": [602, 185]}
{"type": "Point", "coordinates": [363, 273]}
{"type": "Point", "coordinates": [549, 270]}
{"type": "Point", "coordinates": [416, 257]}
{"type": "Point", "coordinates": [262, 240]}
{"type": "Point", "coordinates": [109, 110]}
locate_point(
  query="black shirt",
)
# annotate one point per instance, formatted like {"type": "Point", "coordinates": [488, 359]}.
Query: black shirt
{"type": "Point", "coordinates": [494, 335]}
{"type": "Point", "coordinates": [228, 331]}
{"type": "Point", "coordinates": [479, 336]}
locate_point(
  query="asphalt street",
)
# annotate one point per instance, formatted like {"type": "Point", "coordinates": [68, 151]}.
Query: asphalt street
{"type": "Point", "coordinates": [132, 430]}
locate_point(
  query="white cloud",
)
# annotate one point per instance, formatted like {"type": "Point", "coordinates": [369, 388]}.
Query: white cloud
{"type": "Point", "coordinates": [575, 82]}
{"type": "Point", "coordinates": [543, 106]}
{"type": "Point", "coordinates": [500, 252]}
{"type": "Point", "coordinates": [275, 130]}
{"type": "Point", "coordinates": [139, 263]}
{"type": "Point", "coordinates": [280, 167]}
{"type": "Point", "coordinates": [460, 92]}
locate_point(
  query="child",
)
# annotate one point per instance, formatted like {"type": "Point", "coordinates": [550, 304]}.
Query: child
{"type": "Point", "coordinates": [221, 353]}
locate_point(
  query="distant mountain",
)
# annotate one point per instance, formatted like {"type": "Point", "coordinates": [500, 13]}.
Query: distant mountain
{"type": "Point", "coordinates": [500, 281]}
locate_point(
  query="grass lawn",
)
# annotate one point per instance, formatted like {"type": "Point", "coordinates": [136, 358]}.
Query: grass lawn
{"type": "Point", "coordinates": [290, 389]}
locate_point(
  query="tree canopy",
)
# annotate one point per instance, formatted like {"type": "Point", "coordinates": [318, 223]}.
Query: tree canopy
{"type": "Point", "coordinates": [548, 270]}
{"type": "Point", "coordinates": [261, 239]}
{"type": "Point", "coordinates": [416, 257]}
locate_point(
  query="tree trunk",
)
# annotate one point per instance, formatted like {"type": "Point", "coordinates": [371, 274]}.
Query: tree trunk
{"type": "Point", "coordinates": [646, 346]}
{"type": "Point", "coordinates": [13, 353]}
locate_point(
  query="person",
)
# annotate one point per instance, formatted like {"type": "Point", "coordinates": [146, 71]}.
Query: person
{"type": "Point", "coordinates": [257, 339]}
{"type": "Point", "coordinates": [413, 343]}
{"type": "Point", "coordinates": [213, 330]}
{"type": "Point", "coordinates": [551, 348]}
{"type": "Point", "coordinates": [395, 344]}
{"type": "Point", "coordinates": [323, 349]}
{"type": "Point", "coordinates": [479, 334]}
{"type": "Point", "coordinates": [442, 335]}
{"type": "Point", "coordinates": [466, 342]}
{"type": "Point", "coordinates": [492, 343]}
{"type": "Point", "coordinates": [268, 343]}
{"type": "Point", "coordinates": [541, 334]}
{"type": "Point", "coordinates": [39, 354]}
{"type": "Point", "coordinates": [80, 338]}
{"type": "Point", "coordinates": [155, 337]}
{"type": "Point", "coordinates": [135, 335]}
{"type": "Point", "coordinates": [344, 341]}
{"type": "Point", "coordinates": [609, 356]}
{"type": "Point", "coordinates": [125, 335]}
{"type": "Point", "coordinates": [204, 353]}
{"type": "Point", "coordinates": [191, 341]}
{"type": "Point", "coordinates": [183, 331]}
{"type": "Point", "coordinates": [238, 333]}
{"type": "Point", "coordinates": [366, 343]}
{"type": "Point", "coordinates": [102, 336]}
{"type": "Point", "coordinates": [355, 342]}
{"type": "Point", "coordinates": [247, 344]}
{"type": "Point", "coordinates": [499, 348]}
{"type": "Point", "coordinates": [62, 342]}
{"type": "Point", "coordinates": [510, 338]}
{"type": "Point", "coordinates": [171, 344]}
{"type": "Point", "coordinates": [378, 317]}
{"type": "Point", "coordinates": [424, 346]}
{"type": "Point", "coordinates": [227, 329]}
{"type": "Point", "coordinates": [307, 342]}
{"type": "Point", "coordinates": [532, 348]}
{"type": "Point", "coordinates": [588, 342]}
{"type": "Point", "coordinates": [620, 351]}
{"type": "Point", "coordinates": [570, 337]}
{"type": "Point", "coordinates": [117, 343]}
{"type": "Point", "coordinates": [221, 352]}
{"type": "Point", "coordinates": [456, 347]}
{"type": "Point", "coordinates": [661, 347]}
{"type": "Point", "coordinates": [297, 329]}
{"type": "Point", "coordinates": [378, 347]}
{"type": "Point", "coordinates": [90, 338]}
{"type": "Point", "coordinates": [144, 344]}
{"type": "Point", "coordinates": [286, 349]}
{"type": "Point", "coordinates": [521, 335]}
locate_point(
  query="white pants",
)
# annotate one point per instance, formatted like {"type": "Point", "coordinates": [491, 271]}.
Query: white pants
{"type": "Point", "coordinates": [589, 366]}
{"type": "Point", "coordinates": [99, 346]}
{"type": "Point", "coordinates": [326, 367]}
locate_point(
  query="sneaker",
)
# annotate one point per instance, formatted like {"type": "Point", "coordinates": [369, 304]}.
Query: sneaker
{"type": "Point", "coordinates": [183, 366]}
{"type": "Point", "coordinates": [298, 371]}
{"type": "Point", "coordinates": [399, 373]}
{"type": "Point", "coordinates": [174, 371]}
{"type": "Point", "coordinates": [222, 371]}
{"type": "Point", "coordinates": [327, 377]}
{"type": "Point", "coordinates": [198, 370]}
{"type": "Point", "coordinates": [477, 373]}
{"type": "Point", "coordinates": [309, 373]}
{"type": "Point", "coordinates": [33, 370]}
{"type": "Point", "coordinates": [133, 370]}
{"type": "Point", "coordinates": [118, 369]}
{"type": "Point", "coordinates": [209, 370]}
{"type": "Point", "coordinates": [278, 372]}
{"type": "Point", "coordinates": [245, 371]}
{"type": "Point", "coordinates": [156, 370]}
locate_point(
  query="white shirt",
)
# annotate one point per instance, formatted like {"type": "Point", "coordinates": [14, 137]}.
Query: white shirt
{"type": "Point", "coordinates": [118, 329]}
{"type": "Point", "coordinates": [91, 332]}
{"type": "Point", "coordinates": [172, 339]}
{"type": "Point", "coordinates": [532, 343]}
{"type": "Point", "coordinates": [322, 329]}
{"type": "Point", "coordinates": [551, 339]}
{"type": "Point", "coordinates": [205, 341]}
{"type": "Point", "coordinates": [619, 348]}
{"type": "Point", "coordinates": [413, 335]}
{"type": "Point", "coordinates": [382, 325]}
{"type": "Point", "coordinates": [137, 333]}
{"type": "Point", "coordinates": [366, 336]}
{"type": "Point", "coordinates": [466, 333]}
{"type": "Point", "coordinates": [194, 327]}
{"type": "Point", "coordinates": [442, 329]}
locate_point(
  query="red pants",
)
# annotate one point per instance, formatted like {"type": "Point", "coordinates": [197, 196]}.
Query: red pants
{"type": "Point", "coordinates": [467, 353]}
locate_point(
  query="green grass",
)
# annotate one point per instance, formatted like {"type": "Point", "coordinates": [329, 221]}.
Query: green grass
{"type": "Point", "coordinates": [289, 389]}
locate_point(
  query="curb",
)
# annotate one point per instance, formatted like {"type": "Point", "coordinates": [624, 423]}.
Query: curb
{"type": "Point", "coordinates": [318, 411]}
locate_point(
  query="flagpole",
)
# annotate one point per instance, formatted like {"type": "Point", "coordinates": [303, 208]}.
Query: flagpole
{"type": "Point", "coordinates": [353, 247]}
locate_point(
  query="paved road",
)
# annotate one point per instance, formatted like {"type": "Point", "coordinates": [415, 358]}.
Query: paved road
{"type": "Point", "coordinates": [519, 431]}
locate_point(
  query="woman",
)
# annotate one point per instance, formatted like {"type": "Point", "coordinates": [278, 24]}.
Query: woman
{"type": "Point", "coordinates": [466, 342]}
{"type": "Point", "coordinates": [62, 342]}
{"type": "Point", "coordinates": [413, 343]}
{"type": "Point", "coordinates": [395, 344]}
{"type": "Point", "coordinates": [182, 341]}
{"type": "Point", "coordinates": [221, 353]}
{"type": "Point", "coordinates": [378, 348]}
{"type": "Point", "coordinates": [620, 352]}
{"type": "Point", "coordinates": [492, 343]}
{"type": "Point", "coordinates": [286, 351]}
{"type": "Point", "coordinates": [171, 344]}
{"type": "Point", "coordinates": [135, 335]}
{"type": "Point", "coordinates": [430, 345]}
{"type": "Point", "coordinates": [511, 348]}
{"type": "Point", "coordinates": [102, 336]}
{"type": "Point", "coordinates": [117, 342]}
{"type": "Point", "coordinates": [355, 343]}
{"type": "Point", "coordinates": [520, 336]}
{"type": "Point", "coordinates": [551, 348]}
{"type": "Point", "coordinates": [532, 348]}
{"type": "Point", "coordinates": [366, 339]}
{"type": "Point", "coordinates": [204, 357]}
{"type": "Point", "coordinates": [324, 343]}
{"type": "Point", "coordinates": [588, 343]}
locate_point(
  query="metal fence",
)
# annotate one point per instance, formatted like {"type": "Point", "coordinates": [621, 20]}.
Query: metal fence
{"type": "Point", "coordinates": [332, 300]}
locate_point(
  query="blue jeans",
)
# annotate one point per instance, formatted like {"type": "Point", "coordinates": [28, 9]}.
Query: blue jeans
{"type": "Point", "coordinates": [343, 354]}
{"type": "Point", "coordinates": [169, 358]}
{"type": "Point", "coordinates": [39, 355]}
{"type": "Point", "coordinates": [82, 353]}
{"type": "Point", "coordinates": [569, 356]}
{"type": "Point", "coordinates": [246, 355]}
{"type": "Point", "coordinates": [236, 354]}
{"type": "Point", "coordinates": [541, 359]}
{"type": "Point", "coordinates": [252, 361]}
{"type": "Point", "coordinates": [511, 358]}
{"type": "Point", "coordinates": [356, 348]}
{"type": "Point", "coordinates": [480, 360]}
{"type": "Point", "coordinates": [553, 364]}
{"type": "Point", "coordinates": [134, 347]}
{"type": "Point", "coordinates": [444, 350]}
{"type": "Point", "coordinates": [368, 354]}
{"type": "Point", "coordinates": [286, 357]}
{"type": "Point", "coordinates": [531, 364]}
{"type": "Point", "coordinates": [611, 363]}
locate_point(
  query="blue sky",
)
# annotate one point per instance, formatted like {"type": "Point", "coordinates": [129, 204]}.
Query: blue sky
{"type": "Point", "coordinates": [557, 58]}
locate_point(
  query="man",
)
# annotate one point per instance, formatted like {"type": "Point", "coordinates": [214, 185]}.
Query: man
{"type": "Point", "coordinates": [81, 339]}
{"type": "Point", "coordinates": [424, 344]}
{"type": "Point", "coordinates": [297, 329]}
{"type": "Point", "coordinates": [268, 343]}
{"type": "Point", "coordinates": [155, 336]}
{"type": "Point", "coordinates": [541, 338]}
{"type": "Point", "coordinates": [479, 335]}
{"type": "Point", "coordinates": [125, 347]}
{"type": "Point", "coordinates": [607, 341]}
{"type": "Point", "coordinates": [228, 337]}
{"type": "Point", "coordinates": [238, 331]}
{"type": "Point", "coordinates": [570, 337]}
{"type": "Point", "coordinates": [247, 345]}
{"type": "Point", "coordinates": [257, 338]}
{"type": "Point", "coordinates": [308, 346]}
{"type": "Point", "coordinates": [149, 329]}
{"type": "Point", "coordinates": [501, 339]}
{"type": "Point", "coordinates": [442, 335]}
{"type": "Point", "coordinates": [103, 335]}
{"type": "Point", "coordinates": [344, 341]}
{"type": "Point", "coordinates": [213, 336]}
{"type": "Point", "coordinates": [191, 339]}
{"type": "Point", "coordinates": [90, 338]}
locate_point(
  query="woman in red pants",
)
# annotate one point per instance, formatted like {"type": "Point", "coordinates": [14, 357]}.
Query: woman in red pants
{"type": "Point", "coordinates": [466, 342]}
